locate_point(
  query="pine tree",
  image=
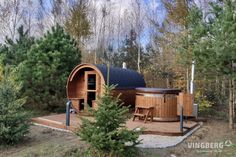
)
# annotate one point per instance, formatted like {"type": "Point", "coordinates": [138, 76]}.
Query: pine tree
{"type": "Point", "coordinates": [175, 33]}
{"type": "Point", "coordinates": [78, 24]}
{"type": "Point", "coordinates": [129, 53]}
{"type": "Point", "coordinates": [15, 52]}
{"type": "Point", "coordinates": [107, 135]}
{"type": "Point", "coordinates": [215, 45]}
{"type": "Point", "coordinates": [177, 11]}
{"type": "Point", "coordinates": [14, 120]}
{"type": "Point", "coordinates": [47, 67]}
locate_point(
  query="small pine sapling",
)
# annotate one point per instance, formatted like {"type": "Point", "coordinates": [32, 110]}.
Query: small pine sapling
{"type": "Point", "coordinates": [14, 120]}
{"type": "Point", "coordinates": [107, 134]}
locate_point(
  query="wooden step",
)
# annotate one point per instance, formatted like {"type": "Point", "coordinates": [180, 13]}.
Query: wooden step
{"type": "Point", "coordinates": [139, 114]}
{"type": "Point", "coordinates": [52, 124]}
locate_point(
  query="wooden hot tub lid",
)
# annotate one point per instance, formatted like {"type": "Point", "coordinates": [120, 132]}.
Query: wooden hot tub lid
{"type": "Point", "coordinates": [158, 90]}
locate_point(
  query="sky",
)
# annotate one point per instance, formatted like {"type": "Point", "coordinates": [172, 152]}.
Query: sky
{"type": "Point", "coordinates": [158, 8]}
{"type": "Point", "coordinates": [149, 7]}
{"type": "Point", "coordinates": [118, 6]}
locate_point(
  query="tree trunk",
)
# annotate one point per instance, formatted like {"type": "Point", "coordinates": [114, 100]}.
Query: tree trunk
{"type": "Point", "coordinates": [223, 87]}
{"type": "Point", "coordinates": [234, 100]}
{"type": "Point", "coordinates": [187, 79]}
{"type": "Point", "coordinates": [217, 83]}
{"type": "Point", "coordinates": [139, 56]}
{"type": "Point", "coordinates": [231, 104]}
{"type": "Point", "coordinates": [167, 82]}
{"type": "Point", "coordinates": [139, 38]}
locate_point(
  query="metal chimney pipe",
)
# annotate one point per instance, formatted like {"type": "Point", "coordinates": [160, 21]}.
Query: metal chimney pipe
{"type": "Point", "coordinates": [195, 106]}
{"type": "Point", "coordinates": [124, 65]}
{"type": "Point", "coordinates": [192, 78]}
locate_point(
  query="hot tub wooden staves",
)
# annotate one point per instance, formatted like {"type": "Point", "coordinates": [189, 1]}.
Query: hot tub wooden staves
{"type": "Point", "coordinates": [164, 102]}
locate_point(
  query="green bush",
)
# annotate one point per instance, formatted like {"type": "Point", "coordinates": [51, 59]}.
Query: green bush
{"type": "Point", "coordinates": [15, 51]}
{"type": "Point", "coordinates": [107, 135]}
{"type": "Point", "coordinates": [14, 120]}
{"type": "Point", "coordinates": [44, 73]}
{"type": "Point", "coordinates": [202, 101]}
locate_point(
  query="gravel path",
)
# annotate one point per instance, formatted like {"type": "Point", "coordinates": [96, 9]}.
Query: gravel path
{"type": "Point", "coordinates": [158, 141]}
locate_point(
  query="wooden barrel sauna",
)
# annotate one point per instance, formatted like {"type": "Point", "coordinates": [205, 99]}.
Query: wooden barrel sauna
{"type": "Point", "coordinates": [164, 102]}
{"type": "Point", "coordinates": [86, 81]}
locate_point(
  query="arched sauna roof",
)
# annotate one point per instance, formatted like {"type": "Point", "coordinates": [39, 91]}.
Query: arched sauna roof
{"type": "Point", "coordinates": [123, 78]}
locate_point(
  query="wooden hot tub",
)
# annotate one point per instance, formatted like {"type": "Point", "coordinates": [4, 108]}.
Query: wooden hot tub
{"type": "Point", "coordinates": [163, 100]}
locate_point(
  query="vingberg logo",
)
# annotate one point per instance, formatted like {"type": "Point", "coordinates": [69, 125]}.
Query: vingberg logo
{"type": "Point", "coordinates": [228, 143]}
{"type": "Point", "coordinates": [209, 146]}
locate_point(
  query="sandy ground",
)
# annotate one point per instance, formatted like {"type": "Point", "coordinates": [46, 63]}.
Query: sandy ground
{"type": "Point", "coordinates": [45, 142]}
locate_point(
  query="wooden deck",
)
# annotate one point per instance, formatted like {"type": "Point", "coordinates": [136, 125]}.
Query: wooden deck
{"type": "Point", "coordinates": [160, 128]}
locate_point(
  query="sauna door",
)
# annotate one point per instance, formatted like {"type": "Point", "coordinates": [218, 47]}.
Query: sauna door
{"type": "Point", "coordinates": [91, 86]}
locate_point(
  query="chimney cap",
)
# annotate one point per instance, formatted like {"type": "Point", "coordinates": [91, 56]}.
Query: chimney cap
{"type": "Point", "coordinates": [124, 65]}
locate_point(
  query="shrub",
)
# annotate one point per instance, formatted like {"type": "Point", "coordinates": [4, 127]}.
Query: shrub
{"type": "Point", "coordinates": [107, 135]}
{"type": "Point", "coordinates": [15, 51]}
{"type": "Point", "coordinates": [202, 101]}
{"type": "Point", "coordinates": [45, 71]}
{"type": "Point", "coordinates": [14, 121]}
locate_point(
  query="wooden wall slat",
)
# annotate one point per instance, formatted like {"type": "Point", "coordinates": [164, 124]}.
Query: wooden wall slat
{"type": "Point", "coordinates": [163, 108]}
{"type": "Point", "coordinates": [127, 95]}
{"type": "Point", "coordinates": [185, 100]}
